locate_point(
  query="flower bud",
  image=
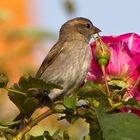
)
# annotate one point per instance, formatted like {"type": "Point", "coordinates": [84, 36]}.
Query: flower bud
{"type": "Point", "coordinates": [101, 53]}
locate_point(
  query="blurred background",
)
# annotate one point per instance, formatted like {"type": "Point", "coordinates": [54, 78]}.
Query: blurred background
{"type": "Point", "coordinates": [29, 28]}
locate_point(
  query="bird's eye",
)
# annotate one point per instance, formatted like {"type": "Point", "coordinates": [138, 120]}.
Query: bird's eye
{"type": "Point", "coordinates": [88, 26]}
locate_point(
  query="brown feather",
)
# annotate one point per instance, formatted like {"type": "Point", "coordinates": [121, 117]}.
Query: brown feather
{"type": "Point", "coordinates": [50, 58]}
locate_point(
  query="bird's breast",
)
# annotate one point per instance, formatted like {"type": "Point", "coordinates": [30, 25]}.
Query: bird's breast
{"type": "Point", "coordinates": [71, 66]}
{"type": "Point", "coordinates": [78, 63]}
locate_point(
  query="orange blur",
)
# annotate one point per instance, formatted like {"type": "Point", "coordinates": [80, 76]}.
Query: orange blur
{"type": "Point", "coordinates": [16, 57]}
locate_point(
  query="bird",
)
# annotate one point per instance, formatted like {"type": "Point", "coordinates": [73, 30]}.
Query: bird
{"type": "Point", "coordinates": [68, 61]}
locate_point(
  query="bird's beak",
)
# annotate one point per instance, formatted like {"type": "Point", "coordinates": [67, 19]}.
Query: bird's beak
{"type": "Point", "coordinates": [95, 30]}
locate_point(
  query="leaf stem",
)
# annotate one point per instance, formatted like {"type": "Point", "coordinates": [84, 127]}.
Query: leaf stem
{"type": "Point", "coordinates": [105, 78]}
{"type": "Point", "coordinates": [113, 105]}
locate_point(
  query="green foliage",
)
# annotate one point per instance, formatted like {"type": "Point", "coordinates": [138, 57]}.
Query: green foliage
{"type": "Point", "coordinates": [26, 95]}
{"type": "Point", "coordinates": [89, 88]}
{"type": "Point", "coordinates": [93, 92]}
{"type": "Point", "coordinates": [6, 124]}
{"type": "Point", "coordinates": [66, 135]}
{"type": "Point", "coordinates": [132, 103]}
{"type": "Point", "coordinates": [55, 136]}
{"type": "Point", "coordinates": [26, 82]}
{"type": "Point", "coordinates": [70, 102]}
{"type": "Point", "coordinates": [3, 80]}
{"type": "Point", "coordinates": [119, 126]}
{"type": "Point", "coordinates": [97, 109]}
{"type": "Point", "coordinates": [47, 136]}
{"type": "Point", "coordinates": [7, 133]}
{"type": "Point", "coordinates": [117, 85]}
{"type": "Point", "coordinates": [36, 138]}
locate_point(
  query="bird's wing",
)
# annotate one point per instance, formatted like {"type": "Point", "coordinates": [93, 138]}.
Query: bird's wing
{"type": "Point", "coordinates": [52, 56]}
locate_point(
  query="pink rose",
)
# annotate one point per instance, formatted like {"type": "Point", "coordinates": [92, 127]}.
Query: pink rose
{"type": "Point", "coordinates": [123, 68]}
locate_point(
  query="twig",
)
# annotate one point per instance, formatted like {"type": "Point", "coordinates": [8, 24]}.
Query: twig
{"type": "Point", "coordinates": [36, 121]}
{"type": "Point", "coordinates": [105, 78]}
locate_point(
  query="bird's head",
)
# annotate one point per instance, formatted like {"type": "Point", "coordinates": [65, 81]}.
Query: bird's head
{"type": "Point", "coordinates": [78, 27]}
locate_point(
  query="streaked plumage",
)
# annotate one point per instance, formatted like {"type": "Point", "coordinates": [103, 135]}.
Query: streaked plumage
{"type": "Point", "coordinates": [68, 61]}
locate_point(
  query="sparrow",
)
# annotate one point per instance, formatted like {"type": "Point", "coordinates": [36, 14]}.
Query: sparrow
{"type": "Point", "coordinates": [68, 61]}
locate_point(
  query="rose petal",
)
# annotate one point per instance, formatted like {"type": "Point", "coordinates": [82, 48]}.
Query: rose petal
{"type": "Point", "coordinates": [132, 40]}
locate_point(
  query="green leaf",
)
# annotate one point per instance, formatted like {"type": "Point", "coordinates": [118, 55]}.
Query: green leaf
{"type": "Point", "coordinates": [26, 82]}
{"type": "Point", "coordinates": [17, 99]}
{"type": "Point", "coordinates": [91, 90]}
{"type": "Point", "coordinates": [70, 102]}
{"type": "Point", "coordinates": [29, 106]}
{"type": "Point", "coordinates": [7, 124]}
{"type": "Point", "coordinates": [3, 80]}
{"type": "Point", "coordinates": [117, 85]}
{"type": "Point", "coordinates": [86, 137]}
{"type": "Point", "coordinates": [8, 133]}
{"type": "Point", "coordinates": [119, 126]}
{"type": "Point", "coordinates": [66, 135]}
{"type": "Point", "coordinates": [70, 108]}
{"type": "Point", "coordinates": [8, 136]}
{"type": "Point", "coordinates": [47, 135]}
{"type": "Point", "coordinates": [132, 102]}
{"type": "Point", "coordinates": [50, 85]}
{"type": "Point", "coordinates": [36, 138]}
{"type": "Point", "coordinates": [27, 99]}
{"type": "Point", "coordinates": [25, 104]}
